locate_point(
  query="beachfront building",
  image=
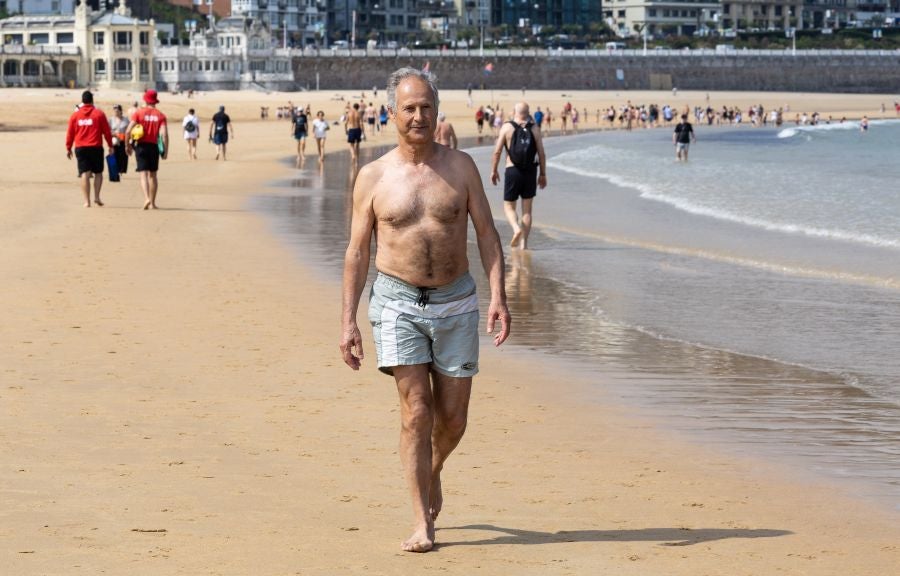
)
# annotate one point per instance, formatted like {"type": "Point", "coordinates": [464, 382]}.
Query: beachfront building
{"type": "Point", "coordinates": [658, 18]}
{"type": "Point", "coordinates": [237, 53]}
{"type": "Point", "coordinates": [107, 49]}
{"type": "Point", "coordinates": [763, 15]}
{"type": "Point", "coordinates": [530, 16]}
{"type": "Point", "coordinates": [300, 22]}
{"type": "Point", "coordinates": [38, 7]}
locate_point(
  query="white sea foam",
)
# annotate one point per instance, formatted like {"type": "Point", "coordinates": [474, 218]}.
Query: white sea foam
{"type": "Point", "coordinates": [649, 191]}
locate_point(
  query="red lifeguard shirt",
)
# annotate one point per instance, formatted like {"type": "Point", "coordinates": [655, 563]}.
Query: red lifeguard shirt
{"type": "Point", "coordinates": [87, 128]}
{"type": "Point", "coordinates": [151, 119]}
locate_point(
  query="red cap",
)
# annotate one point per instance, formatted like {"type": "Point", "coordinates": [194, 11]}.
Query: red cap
{"type": "Point", "coordinates": [150, 97]}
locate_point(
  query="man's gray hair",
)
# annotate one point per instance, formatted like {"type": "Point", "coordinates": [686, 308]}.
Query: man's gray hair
{"type": "Point", "coordinates": [402, 74]}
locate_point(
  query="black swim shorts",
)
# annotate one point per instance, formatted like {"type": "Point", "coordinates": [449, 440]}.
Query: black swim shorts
{"type": "Point", "coordinates": [90, 159]}
{"type": "Point", "coordinates": [519, 183]}
{"type": "Point", "coordinates": [146, 155]}
{"type": "Point", "coordinates": [354, 135]}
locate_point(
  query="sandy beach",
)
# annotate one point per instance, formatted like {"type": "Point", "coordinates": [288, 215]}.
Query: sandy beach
{"type": "Point", "coordinates": [173, 399]}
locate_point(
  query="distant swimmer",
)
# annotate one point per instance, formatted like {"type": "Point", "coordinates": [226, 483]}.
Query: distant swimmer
{"type": "Point", "coordinates": [682, 138]}
{"type": "Point", "coordinates": [864, 124]}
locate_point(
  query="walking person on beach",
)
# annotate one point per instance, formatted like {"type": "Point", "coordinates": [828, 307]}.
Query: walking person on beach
{"type": "Point", "coordinates": [220, 131]}
{"type": "Point", "coordinates": [444, 133]}
{"type": "Point", "coordinates": [299, 129]}
{"type": "Point", "coordinates": [522, 141]}
{"type": "Point", "coordinates": [417, 200]}
{"type": "Point", "coordinates": [88, 128]}
{"type": "Point", "coordinates": [353, 128]}
{"type": "Point", "coordinates": [682, 138]}
{"type": "Point", "coordinates": [153, 129]}
{"type": "Point", "coordinates": [118, 125]}
{"type": "Point", "coordinates": [190, 125]}
{"type": "Point", "coordinates": [320, 131]}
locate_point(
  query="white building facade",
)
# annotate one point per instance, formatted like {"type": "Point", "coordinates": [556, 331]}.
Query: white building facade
{"type": "Point", "coordinates": [90, 48]}
{"type": "Point", "coordinates": [300, 22]}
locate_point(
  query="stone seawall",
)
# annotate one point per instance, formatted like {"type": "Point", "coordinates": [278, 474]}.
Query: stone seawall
{"type": "Point", "coordinates": [873, 73]}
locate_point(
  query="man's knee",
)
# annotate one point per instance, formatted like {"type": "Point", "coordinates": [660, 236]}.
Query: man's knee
{"type": "Point", "coordinates": [418, 415]}
{"type": "Point", "coordinates": [452, 423]}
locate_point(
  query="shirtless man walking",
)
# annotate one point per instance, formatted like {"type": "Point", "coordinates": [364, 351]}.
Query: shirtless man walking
{"type": "Point", "coordinates": [353, 127]}
{"type": "Point", "coordinates": [417, 200]}
{"type": "Point", "coordinates": [521, 178]}
{"type": "Point", "coordinates": [444, 133]}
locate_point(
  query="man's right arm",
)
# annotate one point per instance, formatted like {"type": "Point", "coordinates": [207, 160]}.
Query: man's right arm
{"type": "Point", "coordinates": [356, 267]}
{"type": "Point", "coordinates": [498, 153]}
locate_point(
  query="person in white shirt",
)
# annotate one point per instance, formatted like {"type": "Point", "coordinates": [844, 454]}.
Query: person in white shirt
{"type": "Point", "coordinates": [320, 127]}
{"type": "Point", "coordinates": [191, 126]}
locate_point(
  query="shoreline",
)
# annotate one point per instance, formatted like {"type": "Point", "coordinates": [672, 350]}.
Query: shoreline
{"type": "Point", "coordinates": [178, 371]}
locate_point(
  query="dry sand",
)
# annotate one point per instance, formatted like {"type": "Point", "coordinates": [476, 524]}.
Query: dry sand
{"type": "Point", "coordinates": [173, 401]}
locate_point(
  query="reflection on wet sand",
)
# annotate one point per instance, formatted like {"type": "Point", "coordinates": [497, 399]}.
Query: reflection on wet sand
{"type": "Point", "coordinates": [747, 403]}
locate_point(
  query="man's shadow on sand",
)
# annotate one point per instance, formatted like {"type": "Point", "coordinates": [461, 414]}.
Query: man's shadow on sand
{"type": "Point", "coordinates": [666, 536]}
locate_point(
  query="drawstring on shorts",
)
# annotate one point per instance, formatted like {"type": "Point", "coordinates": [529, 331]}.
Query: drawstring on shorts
{"type": "Point", "coordinates": [422, 300]}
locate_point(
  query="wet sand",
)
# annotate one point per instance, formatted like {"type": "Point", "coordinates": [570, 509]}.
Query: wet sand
{"type": "Point", "coordinates": [173, 401]}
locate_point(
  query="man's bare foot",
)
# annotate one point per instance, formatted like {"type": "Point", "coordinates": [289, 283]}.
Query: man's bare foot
{"type": "Point", "coordinates": [153, 207]}
{"type": "Point", "coordinates": [98, 202]}
{"type": "Point", "coordinates": [422, 539]}
{"type": "Point", "coordinates": [437, 498]}
{"type": "Point", "coordinates": [146, 205]}
{"type": "Point", "coordinates": [515, 239]}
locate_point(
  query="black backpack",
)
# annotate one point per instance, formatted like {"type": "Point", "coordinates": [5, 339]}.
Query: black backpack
{"type": "Point", "coordinates": [189, 127]}
{"type": "Point", "coordinates": [522, 147]}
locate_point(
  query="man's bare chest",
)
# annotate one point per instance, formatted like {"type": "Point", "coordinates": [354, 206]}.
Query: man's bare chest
{"type": "Point", "coordinates": [411, 204]}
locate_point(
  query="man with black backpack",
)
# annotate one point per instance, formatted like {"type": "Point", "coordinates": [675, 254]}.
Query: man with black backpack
{"type": "Point", "coordinates": [524, 173]}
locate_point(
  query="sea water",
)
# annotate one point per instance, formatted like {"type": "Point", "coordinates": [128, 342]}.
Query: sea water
{"type": "Point", "coordinates": [749, 297]}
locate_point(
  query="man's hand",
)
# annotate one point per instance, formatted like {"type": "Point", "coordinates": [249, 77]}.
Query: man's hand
{"type": "Point", "coordinates": [351, 341]}
{"type": "Point", "coordinates": [542, 181]}
{"type": "Point", "coordinates": [501, 312]}
{"type": "Point", "coordinates": [69, 154]}
{"type": "Point", "coordinates": [495, 177]}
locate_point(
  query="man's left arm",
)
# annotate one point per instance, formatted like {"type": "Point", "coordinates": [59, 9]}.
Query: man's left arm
{"type": "Point", "coordinates": [490, 250]}
{"type": "Point", "coordinates": [542, 157]}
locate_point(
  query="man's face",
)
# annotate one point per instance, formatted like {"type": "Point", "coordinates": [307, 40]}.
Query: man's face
{"type": "Point", "coordinates": [416, 113]}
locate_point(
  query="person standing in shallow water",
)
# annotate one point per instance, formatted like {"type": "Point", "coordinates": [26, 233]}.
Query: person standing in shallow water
{"type": "Point", "coordinates": [417, 200]}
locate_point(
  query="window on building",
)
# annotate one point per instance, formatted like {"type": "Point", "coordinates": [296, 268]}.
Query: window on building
{"type": "Point", "coordinates": [621, 13]}
{"type": "Point", "coordinates": [652, 12]}
{"type": "Point", "coordinates": [123, 68]}
{"type": "Point", "coordinates": [99, 67]}
{"type": "Point", "coordinates": [65, 38]}
{"type": "Point", "coordinates": [145, 67]}
{"type": "Point", "coordinates": [99, 38]}
{"type": "Point", "coordinates": [145, 38]}
{"type": "Point", "coordinates": [122, 38]}
{"type": "Point", "coordinates": [40, 38]}
{"type": "Point", "coordinates": [215, 65]}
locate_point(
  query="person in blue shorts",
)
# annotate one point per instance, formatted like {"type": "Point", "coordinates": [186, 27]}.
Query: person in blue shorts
{"type": "Point", "coordinates": [220, 131]}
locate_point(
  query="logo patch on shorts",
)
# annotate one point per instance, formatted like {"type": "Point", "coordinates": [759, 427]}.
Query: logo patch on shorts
{"type": "Point", "coordinates": [470, 366]}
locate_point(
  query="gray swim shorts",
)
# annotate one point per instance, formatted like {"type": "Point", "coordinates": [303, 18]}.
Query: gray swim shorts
{"type": "Point", "coordinates": [437, 326]}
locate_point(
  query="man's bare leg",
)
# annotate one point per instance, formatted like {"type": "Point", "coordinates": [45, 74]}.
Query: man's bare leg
{"type": "Point", "coordinates": [153, 182]}
{"type": "Point", "coordinates": [417, 421]}
{"type": "Point", "coordinates": [145, 188]}
{"type": "Point", "coordinates": [86, 188]}
{"type": "Point", "coordinates": [526, 221]}
{"type": "Point", "coordinates": [98, 184]}
{"type": "Point", "coordinates": [451, 409]}
{"type": "Point", "coordinates": [509, 209]}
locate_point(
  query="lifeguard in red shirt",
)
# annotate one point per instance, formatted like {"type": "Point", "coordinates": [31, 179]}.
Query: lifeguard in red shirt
{"type": "Point", "coordinates": [88, 128]}
{"type": "Point", "coordinates": [152, 145]}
